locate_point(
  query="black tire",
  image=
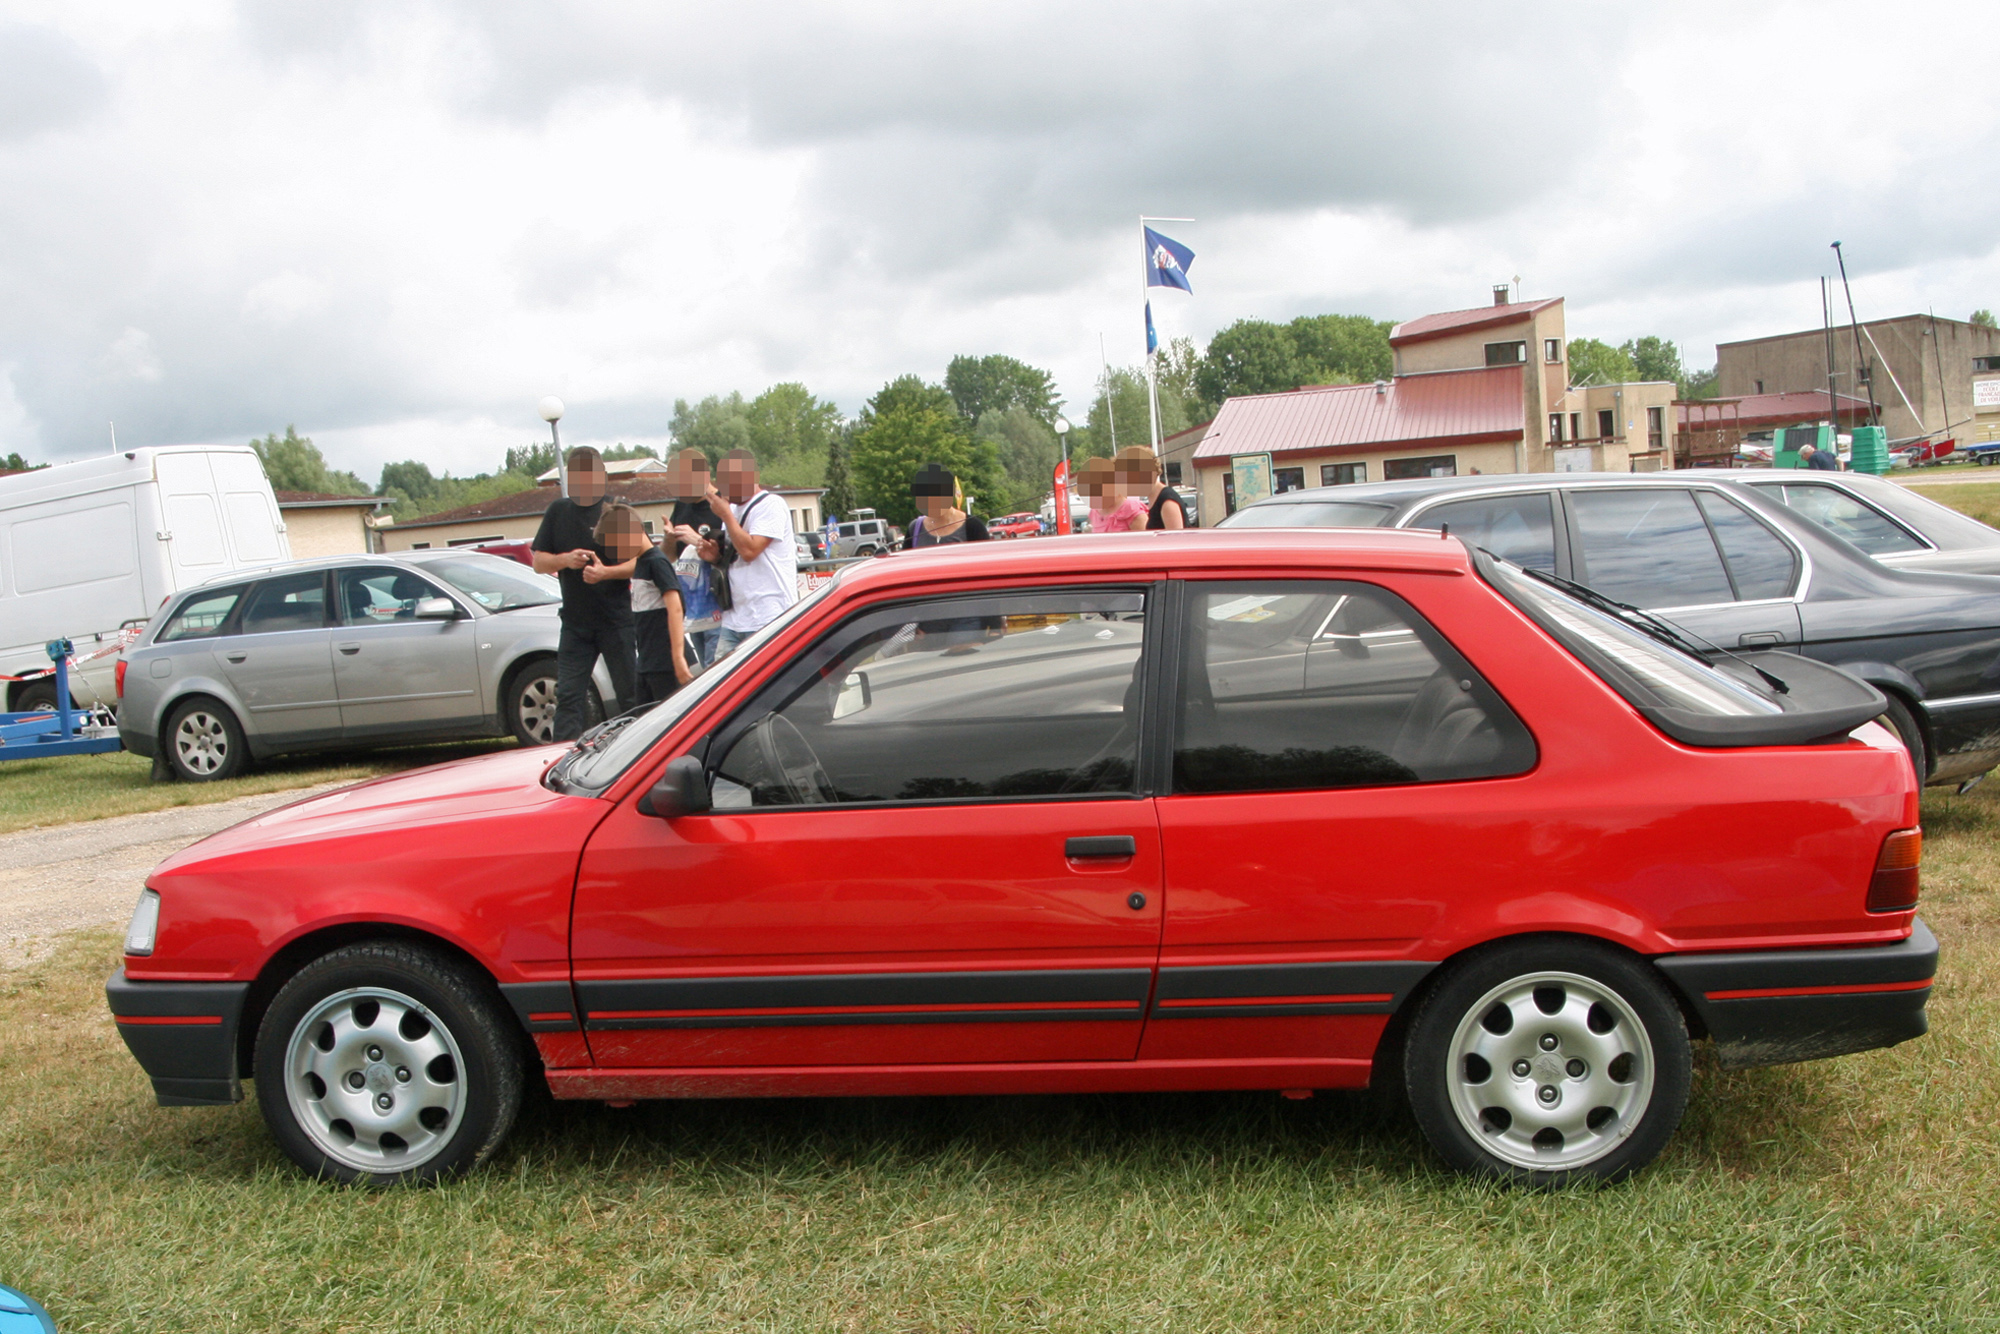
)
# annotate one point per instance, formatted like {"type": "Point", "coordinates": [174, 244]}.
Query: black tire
{"type": "Point", "coordinates": [1597, 1106]}
{"type": "Point", "coordinates": [868, 550]}
{"type": "Point", "coordinates": [439, 1048]}
{"type": "Point", "coordinates": [529, 705]}
{"type": "Point", "coordinates": [36, 696]}
{"type": "Point", "coordinates": [1899, 717]}
{"type": "Point", "coordinates": [203, 742]}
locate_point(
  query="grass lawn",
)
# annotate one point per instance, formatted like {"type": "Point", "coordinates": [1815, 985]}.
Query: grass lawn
{"type": "Point", "coordinates": [1859, 1193]}
{"type": "Point", "coordinates": [89, 787]}
{"type": "Point", "coordinates": [1979, 500]}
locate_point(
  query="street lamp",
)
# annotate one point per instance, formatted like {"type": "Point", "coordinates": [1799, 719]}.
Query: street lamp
{"type": "Point", "coordinates": [552, 411]}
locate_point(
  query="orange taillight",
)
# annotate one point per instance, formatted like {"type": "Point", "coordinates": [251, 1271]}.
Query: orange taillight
{"type": "Point", "coordinates": [1893, 887]}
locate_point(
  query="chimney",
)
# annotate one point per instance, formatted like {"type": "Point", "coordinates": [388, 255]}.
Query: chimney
{"type": "Point", "coordinates": [1381, 387]}
{"type": "Point", "coordinates": [1500, 294]}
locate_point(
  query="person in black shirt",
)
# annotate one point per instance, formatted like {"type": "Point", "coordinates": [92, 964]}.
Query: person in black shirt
{"type": "Point", "coordinates": [1140, 472]}
{"type": "Point", "coordinates": [596, 609]}
{"type": "Point", "coordinates": [941, 520]}
{"type": "Point", "coordinates": [656, 602]}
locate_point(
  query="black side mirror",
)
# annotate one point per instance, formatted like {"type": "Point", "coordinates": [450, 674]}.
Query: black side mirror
{"type": "Point", "coordinates": [682, 790]}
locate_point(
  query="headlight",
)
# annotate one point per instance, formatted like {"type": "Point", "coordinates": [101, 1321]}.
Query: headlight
{"type": "Point", "coordinates": [145, 924]}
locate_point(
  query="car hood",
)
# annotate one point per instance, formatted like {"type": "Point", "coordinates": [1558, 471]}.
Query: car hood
{"type": "Point", "coordinates": [505, 782]}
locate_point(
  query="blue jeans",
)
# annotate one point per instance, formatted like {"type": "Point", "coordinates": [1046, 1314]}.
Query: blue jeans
{"type": "Point", "coordinates": [704, 645]}
{"type": "Point", "coordinates": [727, 639]}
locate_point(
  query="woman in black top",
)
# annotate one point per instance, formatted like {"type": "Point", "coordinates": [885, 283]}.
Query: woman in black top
{"type": "Point", "coordinates": [942, 521]}
{"type": "Point", "coordinates": [1140, 471]}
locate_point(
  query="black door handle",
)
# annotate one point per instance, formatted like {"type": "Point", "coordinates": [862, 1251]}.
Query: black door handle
{"type": "Point", "coordinates": [1101, 845]}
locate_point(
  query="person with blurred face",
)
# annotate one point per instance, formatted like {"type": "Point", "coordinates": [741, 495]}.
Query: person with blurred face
{"type": "Point", "coordinates": [596, 608]}
{"type": "Point", "coordinates": [941, 517]}
{"type": "Point", "coordinates": [693, 522]}
{"type": "Point", "coordinates": [754, 550]}
{"type": "Point", "coordinates": [657, 628]}
{"type": "Point", "coordinates": [1113, 508]}
{"type": "Point", "coordinates": [1139, 472]}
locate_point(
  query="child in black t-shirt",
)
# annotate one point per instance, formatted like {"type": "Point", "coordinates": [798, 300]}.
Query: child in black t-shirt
{"type": "Point", "coordinates": [657, 620]}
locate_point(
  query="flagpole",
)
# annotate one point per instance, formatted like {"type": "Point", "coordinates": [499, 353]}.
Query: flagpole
{"type": "Point", "coordinates": [1146, 301]}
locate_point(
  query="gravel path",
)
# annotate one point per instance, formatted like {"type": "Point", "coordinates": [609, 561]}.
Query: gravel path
{"type": "Point", "coordinates": [67, 877]}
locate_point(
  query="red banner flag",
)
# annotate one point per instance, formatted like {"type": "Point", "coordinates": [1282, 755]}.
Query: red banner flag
{"type": "Point", "coordinates": [1062, 497]}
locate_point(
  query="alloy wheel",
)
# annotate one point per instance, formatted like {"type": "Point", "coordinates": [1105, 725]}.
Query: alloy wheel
{"type": "Point", "coordinates": [201, 743]}
{"type": "Point", "coordinates": [538, 709]}
{"type": "Point", "coordinates": [375, 1080]}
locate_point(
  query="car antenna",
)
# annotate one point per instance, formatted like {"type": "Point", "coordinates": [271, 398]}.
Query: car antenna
{"type": "Point", "coordinates": [1444, 531]}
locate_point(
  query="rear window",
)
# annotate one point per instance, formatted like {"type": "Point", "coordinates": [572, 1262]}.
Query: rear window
{"type": "Point", "coordinates": [1310, 514]}
{"type": "Point", "coordinates": [201, 616]}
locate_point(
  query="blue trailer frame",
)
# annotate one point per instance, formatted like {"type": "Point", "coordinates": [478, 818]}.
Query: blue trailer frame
{"type": "Point", "coordinates": [64, 730]}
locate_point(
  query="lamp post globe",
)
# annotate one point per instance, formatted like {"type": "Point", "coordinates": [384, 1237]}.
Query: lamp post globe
{"type": "Point", "coordinates": [551, 409]}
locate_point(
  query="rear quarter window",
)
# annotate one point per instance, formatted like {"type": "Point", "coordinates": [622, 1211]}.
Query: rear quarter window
{"type": "Point", "coordinates": [201, 616]}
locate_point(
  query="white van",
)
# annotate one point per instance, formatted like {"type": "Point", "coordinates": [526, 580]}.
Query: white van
{"type": "Point", "coordinates": [89, 547]}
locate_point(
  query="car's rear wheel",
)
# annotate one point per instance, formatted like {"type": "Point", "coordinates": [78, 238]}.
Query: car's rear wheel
{"type": "Point", "coordinates": [204, 742]}
{"type": "Point", "coordinates": [1905, 722]}
{"type": "Point", "coordinates": [531, 704]}
{"type": "Point", "coordinates": [1548, 1061]}
{"type": "Point", "coordinates": [384, 1063]}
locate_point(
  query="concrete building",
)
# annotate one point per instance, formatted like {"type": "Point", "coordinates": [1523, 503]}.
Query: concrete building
{"type": "Point", "coordinates": [517, 516]}
{"type": "Point", "coordinates": [1482, 390]}
{"type": "Point", "coordinates": [1905, 363]}
{"type": "Point", "coordinates": [319, 524]}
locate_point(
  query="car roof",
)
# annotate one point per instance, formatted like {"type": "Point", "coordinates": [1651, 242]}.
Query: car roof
{"type": "Point", "coordinates": [245, 573]}
{"type": "Point", "coordinates": [1401, 493]}
{"type": "Point", "coordinates": [1153, 553]}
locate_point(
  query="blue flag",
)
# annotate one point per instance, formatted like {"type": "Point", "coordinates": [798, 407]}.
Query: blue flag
{"type": "Point", "coordinates": [1167, 261]}
{"type": "Point", "coordinates": [1152, 339]}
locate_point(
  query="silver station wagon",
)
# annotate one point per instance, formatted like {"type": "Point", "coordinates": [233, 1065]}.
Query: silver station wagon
{"type": "Point", "coordinates": [345, 652]}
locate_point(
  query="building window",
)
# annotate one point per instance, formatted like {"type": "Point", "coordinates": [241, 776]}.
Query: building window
{"type": "Point", "coordinates": [420, 546]}
{"type": "Point", "coordinates": [1760, 386]}
{"type": "Point", "coordinates": [1506, 354]}
{"type": "Point", "coordinates": [1552, 351]}
{"type": "Point", "coordinates": [1229, 491]}
{"type": "Point", "coordinates": [1607, 424]}
{"type": "Point", "coordinates": [1342, 474]}
{"type": "Point", "coordinates": [1986, 363]}
{"type": "Point", "coordinates": [1576, 426]}
{"type": "Point", "coordinates": [474, 541]}
{"type": "Point", "coordinates": [1287, 479]}
{"type": "Point", "coordinates": [1432, 465]}
{"type": "Point", "coordinates": [1173, 474]}
{"type": "Point", "coordinates": [1656, 429]}
{"type": "Point", "coordinates": [1555, 428]}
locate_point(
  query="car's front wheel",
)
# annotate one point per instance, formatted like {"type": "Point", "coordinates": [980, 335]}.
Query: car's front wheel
{"type": "Point", "coordinates": [204, 742]}
{"type": "Point", "coordinates": [531, 704]}
{"type": "Point", "coordinates": [384, 1063]}
{"type": "Point", "coordinates": [1549, 1060]}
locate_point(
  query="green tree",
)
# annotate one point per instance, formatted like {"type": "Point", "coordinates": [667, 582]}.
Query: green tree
{"type": "Point", "coordinates": [1027, 450]}
{"type": "Point", "coordinates": [1654, 358]}
{"type": "Point", "coordinates": [1592, 361]}
{"type": "Point", "coordinates": [1177, 365]}
{"type": "Point", "coordinates": [1700, 384]}
{"type": "Point", "coordinates": [15, 463]}
{"type": "Point", "coordinates": [1984, 319]}
{"type": "Point", "coordinates": [1343, 349]}
{"type": "Point", "coordinates": [293, 463]}
{"type": "Point", "coordinates": [1249, 357]}
{"type": "Point", "coordinates": [623, 451]}
{"type": "Point", "coordinates": [979, 385]}
{"type": "Point", "coordinates": [791, 433]}
{"type": "Point", "coordinates": [1121, 403]}
{"type": "Point", "coordinates": [409, 481]}
{"type": "Point", "coordinates": [714, 426]}
{"type": "Point", "coordinates": [910, 423]}
{"type": "Point", "coordinates": [839, 498]}
{"type": "Point", "coordinates": [533, 460]}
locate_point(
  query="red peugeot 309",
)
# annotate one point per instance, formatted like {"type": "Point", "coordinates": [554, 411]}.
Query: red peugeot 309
{"type": "Point", "coordinates": [1240, 810]}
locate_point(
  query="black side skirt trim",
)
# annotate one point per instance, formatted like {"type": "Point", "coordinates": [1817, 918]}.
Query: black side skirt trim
{"type": "Point", "coordinates": [545, 999]}
{"type": "Point", "coordinates": [867, 998]}
{"type": "Point", "coordinates": [1374, 987]}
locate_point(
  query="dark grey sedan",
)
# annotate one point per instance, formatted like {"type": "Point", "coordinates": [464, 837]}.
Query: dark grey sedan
{"type": "Point", "coordinates": [1888, 521]}
{"type": "Point", "coordinates": [341, 652]}
{"type": "Point", "coordinates": [1731, 563]}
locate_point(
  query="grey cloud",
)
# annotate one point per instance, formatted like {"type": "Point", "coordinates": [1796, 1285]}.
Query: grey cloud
{"type": "Point", "coordinates": [46, 82]}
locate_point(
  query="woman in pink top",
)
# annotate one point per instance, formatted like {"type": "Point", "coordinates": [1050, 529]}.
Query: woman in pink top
{"type": "Point", "coordinates": [1112, 507]}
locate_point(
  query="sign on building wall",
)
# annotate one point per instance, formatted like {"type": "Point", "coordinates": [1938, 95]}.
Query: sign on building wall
{"type": "Point", "coordinates": [1986, 393]}
{"type": "Point", "coordinates": [1252, 475]}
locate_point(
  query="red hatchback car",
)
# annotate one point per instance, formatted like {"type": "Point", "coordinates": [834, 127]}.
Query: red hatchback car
{"type": "Point", "coordinates": [1277, 810]}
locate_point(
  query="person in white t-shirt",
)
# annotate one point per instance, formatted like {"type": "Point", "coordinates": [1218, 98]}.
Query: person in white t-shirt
{"type": "Point", "coordinates": [761, 566]}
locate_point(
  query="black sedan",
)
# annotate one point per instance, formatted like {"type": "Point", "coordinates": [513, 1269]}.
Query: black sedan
{"type": "Point", "coordinates": [1733, 566]}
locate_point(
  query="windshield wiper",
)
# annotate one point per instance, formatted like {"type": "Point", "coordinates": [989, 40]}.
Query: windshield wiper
{"type": "Point", "coordinates": [1645, 621]}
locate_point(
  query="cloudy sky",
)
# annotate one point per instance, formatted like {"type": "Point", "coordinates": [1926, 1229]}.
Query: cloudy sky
{"type": "Point", "coordinates": [399, 224]}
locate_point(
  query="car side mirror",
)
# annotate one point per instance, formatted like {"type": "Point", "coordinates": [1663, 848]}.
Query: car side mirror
{"type": "Point", "coordinates": [681, 790]}
{"type": "Point", "coordinates": [436, 609]}
{"type": "Point", "coordinates": [854, 696]}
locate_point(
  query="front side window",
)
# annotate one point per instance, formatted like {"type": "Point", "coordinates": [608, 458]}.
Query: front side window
{"type": "Point", "coordinates": [1015, 696]}
{"type": "Point", "coordinates": [201, 616]}
{"type": "Point", "coordinates": [375, 595]}
{"type": "Point", "coordinates": [1844, 516]}
{"type": "Point", "coordinates": [1649, 547]}
{"type": "Point", "coordinates": [1329, 684]}
{"type": "Point", "coordinates": [295, 602]}
{"type": "Point", "coordinates": [1517, 528]}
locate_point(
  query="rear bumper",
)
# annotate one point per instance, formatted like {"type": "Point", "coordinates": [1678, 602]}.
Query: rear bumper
{"type": "Point", "coordinates": [183, 1035]}
{"type": "Point", "coordinates": [1770, 1007]}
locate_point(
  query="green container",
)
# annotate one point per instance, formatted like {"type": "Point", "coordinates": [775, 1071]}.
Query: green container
{"type": "Point", "coordinates": [1871, 450]}
{"type": "Point", "coordinates": [1785, 444]}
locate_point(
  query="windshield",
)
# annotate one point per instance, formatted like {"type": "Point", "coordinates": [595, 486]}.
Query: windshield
{"type": "Point", "coordinates": [595, 771]}
{"type": "Point", "coordinates": [1310, 514]}
{"type": "Point", "coordinates": [496, 583]}
{"type": "Point", "coordinates": [1637, 666]}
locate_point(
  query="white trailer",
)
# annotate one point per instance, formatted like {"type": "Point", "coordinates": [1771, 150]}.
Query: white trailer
{"type": "Point", "coordinates": [87, 548]}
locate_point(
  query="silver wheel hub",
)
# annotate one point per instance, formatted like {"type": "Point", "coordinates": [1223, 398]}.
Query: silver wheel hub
{"type": "Point", "coordinates": [201, 743]}
{"type": "Point", "coordinates": [1550, 1071]}
{"type": "Point", "coordinates": [375, 1080]}
{"type": "Point", "coordinates": [538, 709]}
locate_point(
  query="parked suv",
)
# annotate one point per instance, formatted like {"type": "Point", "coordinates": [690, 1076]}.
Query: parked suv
{"type": "Point", "coordinates": [348, 651]}
{"type": "Point", "coordinates": [865, 535]}
{"type": "Point", "coordinates": [1239, 810]}
{"type": "Point", "coordinates": [1738, 567]}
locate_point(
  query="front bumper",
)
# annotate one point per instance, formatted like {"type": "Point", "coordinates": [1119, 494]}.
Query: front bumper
{"type": "Point", "coordinates": [1770, 1007]}
{"type": "Point", "coordinates": [183, 1035]}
